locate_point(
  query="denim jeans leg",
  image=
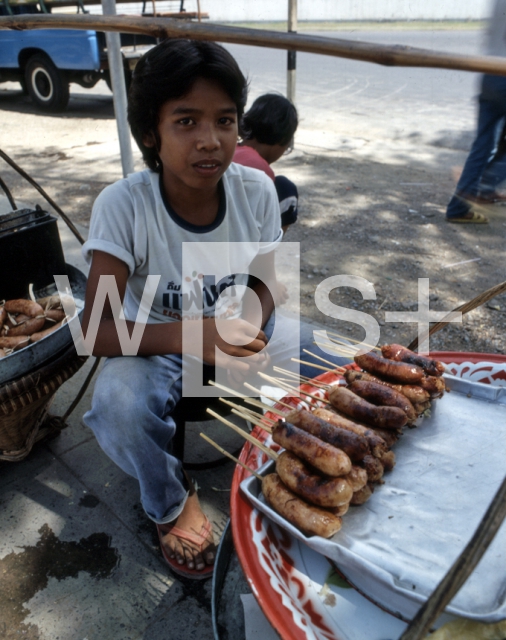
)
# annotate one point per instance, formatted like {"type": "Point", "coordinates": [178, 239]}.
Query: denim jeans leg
{"type": "Point", "coordinates": [488, 116]}
{"type": "Point", "coordinates": [130, 418]}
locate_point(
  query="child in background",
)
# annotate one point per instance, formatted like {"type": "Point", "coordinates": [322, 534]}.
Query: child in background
{"type": "Point", "coordinates": [269, 127]}
{"type": "Point", "coordinates": [184, 108]}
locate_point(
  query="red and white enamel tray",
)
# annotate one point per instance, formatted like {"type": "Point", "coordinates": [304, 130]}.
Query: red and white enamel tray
{"type": "Point", "coordinates": [298, 589]}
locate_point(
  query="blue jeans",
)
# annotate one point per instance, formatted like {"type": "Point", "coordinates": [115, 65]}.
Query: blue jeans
{"type": "Point", "coordinates": [483, 170]}
{"type": "Point", "coordinates": [131, 415]}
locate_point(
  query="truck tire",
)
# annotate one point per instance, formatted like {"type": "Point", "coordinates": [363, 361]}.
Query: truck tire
{"type": "Point", "coordinates": [47, 86]}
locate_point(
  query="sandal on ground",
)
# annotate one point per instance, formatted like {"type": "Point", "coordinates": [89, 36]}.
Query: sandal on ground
{"type": "Point", "coordinates": [197, 539]}
{"type": "Point", "coordinates": [475, 218]}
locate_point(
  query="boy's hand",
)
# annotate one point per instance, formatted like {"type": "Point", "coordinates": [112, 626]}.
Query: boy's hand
{"type": "Point", "coordinates": [236, 339]}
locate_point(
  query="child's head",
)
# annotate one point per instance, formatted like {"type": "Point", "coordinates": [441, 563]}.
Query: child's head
{"type": "Point", "coordinates": [271, 119]}
{"type": "Point", "coordinates": [168, 72]}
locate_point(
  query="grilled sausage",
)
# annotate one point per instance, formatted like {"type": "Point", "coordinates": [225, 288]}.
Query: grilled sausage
{"type": "Point", "coordinates": [434, 386]}
{"type": "Point", "coordinates": [28, 307]}
{"type": "Point", "coordinates": [42, 334]}
{"type": "Point", "coordinates": [354, 445]}
{"type": "Point", "coordinates": [388, 461]}
{"type": "Point", "coordinates": [16, 342]}
{"type": "Point", "coordinates": [351, 405]}
{"type": "Point", "coordinates": [359, 497]}
{"type": "Point", "coordinates": [321, 455]}
{"type": "Point", "coordinates": [373, 467]}
{"type": "Point", "coordinates": [399, 372]}
{"type": "Point", "coordinates": [3, 317]}
{"type": "Point", "coordinates": [390, 436]}
{"type": "Point", "coordinates": [316, 489]}
{"type": "Point", "coordinates": [413, 393]}
{"type": "Point", "coordinates": [376, 443]}
{"type": "Point", "coordinates": [340, 511]}
{"type": "Point", "coordinates": [55, 314]}
{"type": "Point", "coordinates": [28, 327]}
{"type": "Point", "coordinates": [397, 352]}
{"type": "Point", "coordinates": [357, 478]}
{"type": "Point", "coordinates": [380, 395]}
{"type": "Point", "coordinates": [312, 521]}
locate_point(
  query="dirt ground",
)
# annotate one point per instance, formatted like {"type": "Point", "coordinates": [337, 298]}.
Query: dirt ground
{"type": "Point", "coordinates": [375, 211]}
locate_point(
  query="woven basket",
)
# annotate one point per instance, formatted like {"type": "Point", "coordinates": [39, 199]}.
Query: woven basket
{"type": "Point", "coordinates": [24, 404]}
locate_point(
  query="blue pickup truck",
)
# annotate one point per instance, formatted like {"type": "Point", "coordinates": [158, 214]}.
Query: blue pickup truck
{"type": "Point", "coordinates": [45, 61]}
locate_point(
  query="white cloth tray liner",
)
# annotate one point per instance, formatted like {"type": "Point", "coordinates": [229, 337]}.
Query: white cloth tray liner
{"type": "Point", "coordinates": [400, 544]}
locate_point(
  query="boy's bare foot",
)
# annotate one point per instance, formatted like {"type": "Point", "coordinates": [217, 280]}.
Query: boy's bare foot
{"type": "Point", "coordinates": [197, 552]}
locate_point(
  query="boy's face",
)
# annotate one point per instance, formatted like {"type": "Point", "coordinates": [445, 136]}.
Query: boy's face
{"type": "Point", "coordinates": [198, 134]}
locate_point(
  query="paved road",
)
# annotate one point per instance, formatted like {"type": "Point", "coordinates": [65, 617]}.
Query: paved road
{"type": "Point", "coordinates": [339, 95]}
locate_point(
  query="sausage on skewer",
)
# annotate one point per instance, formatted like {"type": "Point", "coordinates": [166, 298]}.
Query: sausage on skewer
{"type": "Point", "coordinates": [380, 395]}
{"type": "Point", "coordinates": [351, 405]}
{"type": "Point", "coordinates": [321, 455]}
{"type": "Point", "coordinates": [377, 444]}
{"type": "Point", "coordinates": [316, 489]}
{"type": "Point", "coordinates": [311, 520]}
{"type": "Point", "coordinates": [397, 352]}
{"type": "Point", "coordinates": [413, 393]}
{"type": "Point", "coordinates": [354, 445]}
{"type": "Point", "coordinates": [399, 372]}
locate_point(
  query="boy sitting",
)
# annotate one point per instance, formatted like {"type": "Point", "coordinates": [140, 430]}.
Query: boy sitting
{"type": "Point", "coordinates": [269, 127]}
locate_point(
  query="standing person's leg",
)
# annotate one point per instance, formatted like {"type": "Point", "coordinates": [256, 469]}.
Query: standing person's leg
{"type": "Point", "coordinates": [468, 185]}
{"type": "Point", "coordinates": [494, 90]}
{"type": "Point", "coordinates": [288, 197]}
{"type": "Point", "coordinates": [130, 417]}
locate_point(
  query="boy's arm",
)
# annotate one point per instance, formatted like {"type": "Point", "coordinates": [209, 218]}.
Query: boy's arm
{"type": "Point", "coordinates": [162, 338]}
{"type": "Point", "coordinates": [263, 266]}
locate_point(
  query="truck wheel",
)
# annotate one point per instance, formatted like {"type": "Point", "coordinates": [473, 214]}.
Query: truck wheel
{"type": "Point", "coordinates": [46, 85]}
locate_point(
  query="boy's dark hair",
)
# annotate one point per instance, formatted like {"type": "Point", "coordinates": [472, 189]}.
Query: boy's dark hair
{"type": "Point", "coordinates": [168, 72]}
{"type": "Point", "coordinates": [271, 119]}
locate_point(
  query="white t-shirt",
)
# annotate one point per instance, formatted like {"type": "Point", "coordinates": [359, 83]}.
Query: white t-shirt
{"type": "Point", "coordinates": [132, 221]}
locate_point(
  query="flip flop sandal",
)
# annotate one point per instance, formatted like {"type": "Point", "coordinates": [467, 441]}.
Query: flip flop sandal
{"type": "Point", "coordinates": [198, 539]}
{"type": "Point", "coordinates": [476, 218]}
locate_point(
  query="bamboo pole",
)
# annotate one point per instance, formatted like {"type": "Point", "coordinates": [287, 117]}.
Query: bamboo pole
{"type": "Point", "coordinates": [387, 55]}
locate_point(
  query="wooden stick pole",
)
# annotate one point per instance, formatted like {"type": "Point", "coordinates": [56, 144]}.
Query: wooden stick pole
{"type": "Point", "coordinates": [464, 308]}
{"type": "Point", "coordinates": [388, 55]}
{"type": "Point", "coordinates": [461, 568]}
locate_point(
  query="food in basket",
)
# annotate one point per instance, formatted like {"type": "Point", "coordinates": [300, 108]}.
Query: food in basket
{"type": "Point", "coordinates": [25, 321]}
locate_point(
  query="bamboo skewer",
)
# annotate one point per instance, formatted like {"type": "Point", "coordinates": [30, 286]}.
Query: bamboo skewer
{"type": "Point", "coordinates": [302, 379]}
{"type": "Point", "coordinates": [295, 389]}
{"type": "Point", "coordinates": [251, 388]}
{"type": "Point", "coordinates": [242, 433]}
{"type": "Point", "coordinates": [256, 418]}
{"type": "Point", "coordinates": [310, 364]}
{"type": "Point", "coordinates": [257, 423]}
{"type": "Point", "coordinates": [229, 455]}
{"type": "Point", "coordinates": [252, 401]}
{"type": "Point", "coordinates": [310, 353]}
